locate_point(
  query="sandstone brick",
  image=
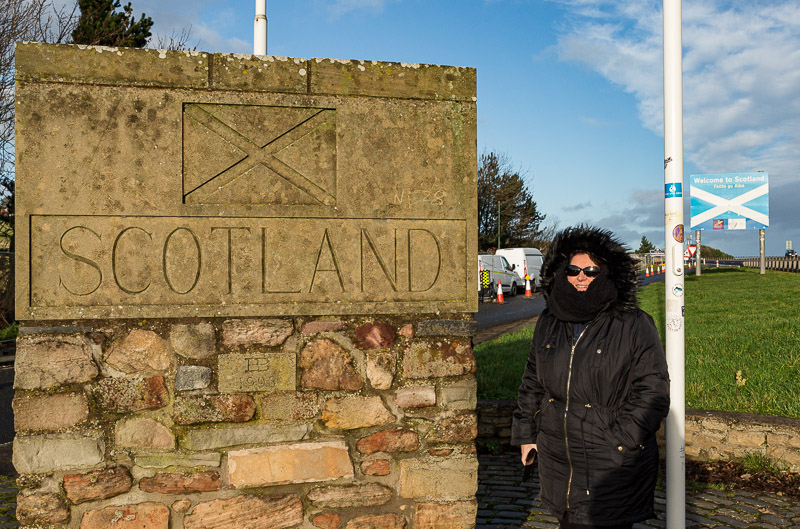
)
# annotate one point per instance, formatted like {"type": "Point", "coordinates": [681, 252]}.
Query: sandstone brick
{"type": "Point", "coordinates": [445, 515]}
{"type": "Point", "coordinates": [746, 439]}
{"type": "Point", "coordinates": [210, 438]}
{"type": "Point", "coordinates": [440, 452]}
{"type": "Point", "coordinates": [787, 440]}
{"type": "Point", "coordinates": [315, 327]}
{"type": "Point", "coordinates": [246, 511]}
{"type": "Point", "coordinates": [176, 459]}
{"type": "Point", "coordinates": [213, 408]}
{"type": "Point", "coordinates": [174, 483]}
{"type": "Point", "coordinates": [131, 394]}
{"type": "Point", "coordinates": [327, 366]}
{"type": "Point", "coordinates": [376, 467]}
{"type": "Point", "coordinates": [140, 432]}
{"type": "Point", "coordinates": [181, 506]}
{"type": "Point", "coordinates": [381, 369]}
{"type": "Point", "coordinates": [350, 413]}
{"type": "Point", "coordinates": [39, 454]}
{"type": "Point", "coordinates": [786, 456]}
{"type": "Point", "coordinates": [97, 485]}
{"type": "Point", "coordinates": [336, 497]}
{"type": "Point", "coordinates": [248, 332]}
{"type": "Point", "coordinates": [416, 397]}
{"type": "Point", "coordinates": [389, 441]}
{"type": "Point", "coordinates": [406, 331]}
{"type": "Point", "coordinates": [446, 479]}
{"type": "Point", "coordinates": [439, 359]}
{"type": "Point", "coordinates": [297, 463]}
{"type": "Point", "coordinates": [462, 395]}
{"type": "Point", "coordinates": [257, 372]}
{"type": "Point", "coordinates": [459, 429]}
{"type": "Point", "coordinates": [46, 361]}
{"type": "Point", "coordinates": [192, 377]}
{"type": "Point", "coordinates": [142, 352]}
{"type": "Point", "coordinates": [377, 521]}
{"type": "Point", "coordinates": [328, 520]}
{"type": "Point", "coordinates": [49, 412]}
{"type": "Point", "coordinates": [195, 341]}
{"type": "Point", "coordinates": [713, 423]}
{"type": "Point", "coordinates": [41, 508]}
{"type": "Point", "coordinates": [148, 515]}
{"type": "Point", "coordinates": [375, 335]}
{"type": "Point", "coordinates": [289, 407]}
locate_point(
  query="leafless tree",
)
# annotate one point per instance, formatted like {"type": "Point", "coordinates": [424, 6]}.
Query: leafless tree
{"type": "Point", "coordinates": [176, 41]}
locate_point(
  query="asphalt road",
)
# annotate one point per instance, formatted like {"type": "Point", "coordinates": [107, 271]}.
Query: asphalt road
{"type": "Point", "coordinates": [519, 307]}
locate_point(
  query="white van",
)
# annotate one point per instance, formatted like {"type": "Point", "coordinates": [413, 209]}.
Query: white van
{"type": "Point", "coordinates": [526, 261]}
{"type": "Point", "coordinates": [500, 270]}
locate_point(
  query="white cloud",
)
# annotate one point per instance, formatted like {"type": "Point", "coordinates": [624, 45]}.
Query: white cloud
{"type": "Point", "coordinates": [741, 74]}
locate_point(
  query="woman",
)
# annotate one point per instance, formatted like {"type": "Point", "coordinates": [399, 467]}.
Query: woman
{"type": "Point", "coordinates": [595, 388]}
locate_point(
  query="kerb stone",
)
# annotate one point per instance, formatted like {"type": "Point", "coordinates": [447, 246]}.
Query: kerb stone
{"type": "Point", "coordinates": [48, 453]}
{"type": "Point", "coordinates": [297, 463]}
{"type": "Point", "coordinates": [210, 438]}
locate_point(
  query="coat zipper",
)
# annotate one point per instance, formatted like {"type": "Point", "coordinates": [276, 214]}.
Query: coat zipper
{"type": "Point", "coordinates": [566, 411]}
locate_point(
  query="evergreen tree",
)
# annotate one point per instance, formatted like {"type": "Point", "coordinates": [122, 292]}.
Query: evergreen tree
{"type": "Point", "coordinates": [645, 246]}
{"type": "Point", "coordinates": [100, 24]}
{"type": "Point", "coordinates": [502, 190]}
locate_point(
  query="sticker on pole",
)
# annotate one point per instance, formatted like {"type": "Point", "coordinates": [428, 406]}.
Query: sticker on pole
{"type": "Point", "coordinates": [729, 201]}
{"type": "Point", "coordinates": [673, 190]}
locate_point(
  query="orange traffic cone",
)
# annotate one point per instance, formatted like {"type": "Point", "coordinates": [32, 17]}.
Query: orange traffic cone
{"type": "Point", "coordinates": [500, 292]}
{"type": "Point", "coordinates": [646, 271]}
{"type": "Point", "coordinates": [528, 293]}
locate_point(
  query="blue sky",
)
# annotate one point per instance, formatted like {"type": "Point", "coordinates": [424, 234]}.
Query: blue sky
{"type": "Point", "coordinates": [571, 90]}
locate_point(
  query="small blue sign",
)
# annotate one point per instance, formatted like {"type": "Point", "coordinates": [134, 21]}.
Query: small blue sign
{"type": "Point", "coordinates": [673, 190]}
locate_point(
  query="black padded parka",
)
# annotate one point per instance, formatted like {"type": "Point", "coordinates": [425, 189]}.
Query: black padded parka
{"type": "Point", "coordinates": [593, 405]}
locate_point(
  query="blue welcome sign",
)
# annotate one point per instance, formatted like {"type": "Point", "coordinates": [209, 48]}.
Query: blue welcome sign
{"type": "Point", "coordinates": [729, 201]}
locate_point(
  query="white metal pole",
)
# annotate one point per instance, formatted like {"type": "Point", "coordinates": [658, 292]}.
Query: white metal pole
{"type": "Point", "coordinates": [260, 28]}
{"type": "Point", "coordinates": [698, 268]}
{"type": "Point", "coordinates": [762, 253]}
{"type": "Point", "coordinates": [673, 248]}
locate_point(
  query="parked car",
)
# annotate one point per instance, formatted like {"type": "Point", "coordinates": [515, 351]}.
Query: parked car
{"type": "Point", "coordinates": [526, 261]}
{"type": "Point", "coordinates": [791, 253]}
{"type": "Point", "coordinates": [500, 270]}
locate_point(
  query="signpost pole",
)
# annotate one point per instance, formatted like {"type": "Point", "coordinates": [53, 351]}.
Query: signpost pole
{"type": "Point", "coordinates": [674, 280]}
{"type": "Point", "coordinates": [697, 253]}
{"type": "Point", "coordinates": [761, 258]}
{"type": "Point", "coordinates": [260, 28]}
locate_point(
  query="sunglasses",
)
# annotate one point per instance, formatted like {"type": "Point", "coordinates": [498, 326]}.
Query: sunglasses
{"type": "Point", "coordinates": [589, 271]}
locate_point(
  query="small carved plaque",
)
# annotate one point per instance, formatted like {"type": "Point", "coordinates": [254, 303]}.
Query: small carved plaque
{"type": "Point", "coordinates": [257, 372]}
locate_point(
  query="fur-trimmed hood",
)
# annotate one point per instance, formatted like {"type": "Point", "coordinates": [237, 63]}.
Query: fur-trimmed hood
{"type": "Point", "coordinates": [604, 246]}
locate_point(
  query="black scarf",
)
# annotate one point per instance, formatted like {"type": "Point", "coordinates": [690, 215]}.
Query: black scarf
{"type": "Point", "coordinates": [569, 304]}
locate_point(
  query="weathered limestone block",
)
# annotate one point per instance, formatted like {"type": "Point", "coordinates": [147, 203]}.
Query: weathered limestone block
{"type": "Point", "coordinates": [389, 441]}
{"type": "Point", "coordinates": [447, 328]}
{"type": "Point", "coordinates": [297, 463]}
{"type": "Point", "coordinates": [47, 453]}
{"type": "Point", "coordinates": [714, 423]}
{"type": "Point", "coordinates": [377, 521]}
{"type": "Point", "coordinates": [97, 485]}
{"type": "Point", "coordinates": [192, 377]}
{"type": "Point", "coordinates": [148, 515]}
{"type": "Point", "coordinates": [46, 361]}
{"type": "Point", "coordinates": [785, 439]}
{"type": "Point", "coordinates": [461, 395]}
{"type": "Point", "coordinates": [440, 359]}
{"type": "Point", "coordinates": [41, 508]}
{"type": "Point", "coordinates": [376, 467]}
{"type": "Point", "coordinates": [210, 438]}
{"type": "Point", "coordinates": [141, 432]}
{"type": "Point", "coordinates": [316, 327]}
{"type": "Point", "coordinates": [247, 332]}
{"type": "Point", "coordinates": [246, 511]}
{"type": "Point", "coordinates": [380, 369]}
{"type": "Point", "coordinates": [290, 406]}
{"type": "Point", "coordinates": [454, 478]}
{"type": "Point", "coordinates": [196, 341]}
{"type": "Point", "coordinates": [213, 408]}
{"type": "Point", "coordinates": [50, 412]}
{"type": "Point", "coordinates": [174, 483]}
{"type": "Point", "coordinates": [349, 413]}
{"type": "Point", "coordinates": [130, 394]}
{"type": "Point", "coordinates": [335, 497]}
{"type": "Point", "coordinates": [416, 397]}
{"type": "Point", "coordinates": [446, 515]}
{"type": "Point", "coordinates": [257, 372]}
{"type": "Point", "coordinates": [375, 335]}
{"type": "Point", "coordinates": [745, 439]}
{"type": "Point", "coordinates": [459, 429]}
{"type": "Point", "coordinates": [328, 520]}
{"type": "Point", "coordinates": [141, 351]}
{"type": "Point", "coordinates": [785, 455]}
{"type": "Point", "coordinates": [327, 366]}
{"type": "Point", "coordinates": [205, 459]}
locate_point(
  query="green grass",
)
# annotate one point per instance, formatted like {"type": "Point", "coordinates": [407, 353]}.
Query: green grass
{"type": "Point", "coordinates": [9, 332]}
{"type": "Point", "coordinates": [742, 343]}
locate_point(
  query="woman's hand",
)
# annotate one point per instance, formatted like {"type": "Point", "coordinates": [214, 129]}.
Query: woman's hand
{"type": "Point", "coordinates": [526, 449]}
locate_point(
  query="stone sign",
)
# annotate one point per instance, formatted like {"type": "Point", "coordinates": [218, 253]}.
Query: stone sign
{"type": "Point", "coordinates": [267, 372]}
{"type": "Point", "coordinates": [156, 183]}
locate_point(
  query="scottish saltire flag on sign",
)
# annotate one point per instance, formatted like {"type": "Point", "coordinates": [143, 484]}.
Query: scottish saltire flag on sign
{"type": "Point", "coordinates": [729, 201]}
